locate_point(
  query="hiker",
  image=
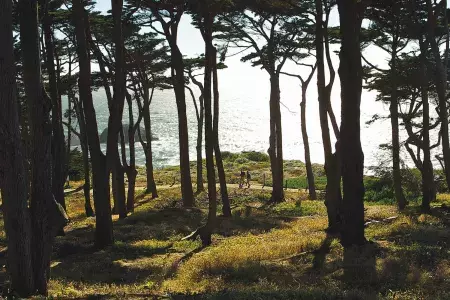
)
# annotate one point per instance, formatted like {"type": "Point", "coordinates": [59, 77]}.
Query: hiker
{"type": "Point", "coordinates": [249, 177]}
{"type": "Point", "coordinates": [241, 182]}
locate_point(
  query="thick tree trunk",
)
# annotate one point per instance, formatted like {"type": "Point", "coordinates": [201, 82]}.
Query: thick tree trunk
{"type": "Point", "coordinates": [226, 210]}
{"type": "Point", "coordinates": [13, 184]}
{"type": "Point", "coordinates": [308, 165]}
{"type": "Point", "coordinates": [58, 147]}
{"type": "Point", "coordinates": [178, 83]}
{"type": "Point", "coordinates": [397, 178]}
{"type": "Point", "coordinates": [39, 106]}
{"type": "Point", "coordinates": [151, 185]}
{"type": "Point", "coordinates": [275, 140]}
{"type": "Point", "coordinates": [103, 229]}
{"type": "Point", "coordinates": [350, 72]}
{"type": "Point", "coordinates": [85, 152]}
{"type": "Point", "coordinates": [333, 198]}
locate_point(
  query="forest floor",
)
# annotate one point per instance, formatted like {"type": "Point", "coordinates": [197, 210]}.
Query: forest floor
{"type": "Point", "coordinates": [263, 252]}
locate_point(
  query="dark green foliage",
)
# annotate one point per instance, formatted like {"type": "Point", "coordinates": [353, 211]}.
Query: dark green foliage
{"type": "Point", "coordinates": [76, 170]}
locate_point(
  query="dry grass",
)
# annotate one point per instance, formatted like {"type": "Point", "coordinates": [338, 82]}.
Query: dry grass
{"type": "Point", "coordinates": [262, 252]}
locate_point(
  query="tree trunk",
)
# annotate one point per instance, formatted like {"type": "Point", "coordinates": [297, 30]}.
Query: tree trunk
{"type": "Point", "coordinates": [309, 171]}
{"type": "Point", "coordinates": [151, 185]}
{"type": "Point", "coordinates": [397, 178]}
{"type": "Point", "coordinates": [103, 229]}
{"type": "Point", "coordinates": [200, 186]}
{"type": "Point", "coordinates": [58, 178]}
{"type": "Point", "coordinates": [118, 177]}
{"type": "Point", "coordinates": [333, 198]}
{"type": "Point", "coordinates": [13, 184]}
{"type": "Point", "coordinates": [275, 140]}
{"type": "Point", "coordinates": [350, 72]}
{"type": "Point", "coordinates": [428, 186]}
{"type": "Point", "coordinates": [209, 133]}
{"type": "Point", "coordinates": [441, 87]}
{"type": "Point", "coordinates": [85, 152]}
{"type": "Point", "coordinates": [226, 210]}
{"type": "Point", "coordinates": [178, 83]}
{"type": "Point", "coordinates": [39, 106]}
{"type": "Point", "coordinates": [131, 170]}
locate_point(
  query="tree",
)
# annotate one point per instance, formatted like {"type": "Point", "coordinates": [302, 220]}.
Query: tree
{"type": "Point", "coordinates": [388, 28]}
{"type": "Point", "coordinates": [168, 14]}
{"type": "Point", "coordinates": [103, 230]}
{"type": "Point", "coordinates": [350, 72]}
{"type": "Point", "coordinates": [309, 171]}
{"type": "Point", "coordinates": [271, 31]}
{"type": "Point", "coordinates": [13, 184]}
{"type": "Point", "coordinates": [58, 146]}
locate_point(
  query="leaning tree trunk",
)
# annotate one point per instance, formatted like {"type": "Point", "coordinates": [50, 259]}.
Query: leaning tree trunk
{"type": "Point", "coordinates": [226, 210]}
{"type": "Point", "coordinates": [275, 140]}
{"type": "Point", "coordinates": [333, 198]}
{"type": "Point", "coordinates": [350, 72]}
{"type": "Point", "coordinates": [13, 184]}
{"type": "Point", "coordinates": [103, 229]}
{"type": "Point", "coordinates": [39, 106]}
{"type": "Point", "coordinates": [397, 178]}
{"type": "Point", "coordinates": [58, 163]}
{"type": "Point", "coordinates": [178, 83]}
{"type": "Point", "coordinates": [309, 170]}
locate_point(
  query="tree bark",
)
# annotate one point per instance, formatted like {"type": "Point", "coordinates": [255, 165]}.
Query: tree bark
{"type": "Point", "coordinates": [39, 106]}
{"type": "Point", "coordinates": [397, 177]}
{"type": "Point", "coordinates": [103, 230]}
{"type": "Point", "coordinates": [333, 198]}
{"type": "Point", "coordinates": [275, 140]}
{"type": "Point", "coordinates": [13, 184]}
{"type": "Point", "coordinates": [209, 133]}
{"type": "Point", "coordinates": [58, 147]}
{"type": "Point", "coordinates": [308, 165]}
{"type": "Point", "coordinates": [131, 169]}
{"type": "Point", "coordinates": [226, 210]}
{"type": "Point", "coordinates": [85, 152]}
{"type": "Point", "coordinates": [151, 185]}
{"type": "Point", "coordinates": [441, 86]}
{"type": "Point", "coordinates": [350, 72]}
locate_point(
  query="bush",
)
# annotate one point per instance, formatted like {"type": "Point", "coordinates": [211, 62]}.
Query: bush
{"type": "Point", "coordinates": [76, 165]}
{"type": "Point", "coordinates": [256, 156]}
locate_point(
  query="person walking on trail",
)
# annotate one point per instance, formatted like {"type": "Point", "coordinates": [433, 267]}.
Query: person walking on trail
{"type": "Point", "coordinates": [249, 177]}
{"type": "Point", "coordinates": [242, 180]}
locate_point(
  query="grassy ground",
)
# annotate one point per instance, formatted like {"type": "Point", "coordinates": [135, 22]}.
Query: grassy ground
{"type": "Point", "coordinates": [262, 252]}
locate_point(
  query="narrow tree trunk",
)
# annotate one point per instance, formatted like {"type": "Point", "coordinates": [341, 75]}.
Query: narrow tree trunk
{"type": "Point", "coordinates": [275, 140]}
{"type": "Point", "coordinates": [209, 133]}
{"type": "Point", "coordinates": [85, 152]}
{"type": "Point", "coordinates": [350, 72]}
{"type": "Point", "coordinates": [428, 186]}
{"type": "Point", "coordinates": [226, 210]}
{"type": "Point", "coordinates": [178, 83]}
{"type": "Point", "coordinates": [13, 184]}
{"type": "Point", "coordinates": [131, 169]}
{"type": "Point", "coordinates": [309, 171]}
{"type": "Point", "coordinates": [397, 178]}
{"type": "Point", "coordinates": [332, 192]}
{"type": "Point", "coordinates": [39, 106]}
{"type": "Point", "coordinates": [200, 186]}
{"type": "Point", "coordinates": [151, 185]}
{"type": "Point", "coordinates": [103, 229]}
{"type": "Point", "coordinates": [441, 87]}
{"type": "Point", "coordinates": [119, 181]}
{"type": "Point", "coordinates": [58, 150]}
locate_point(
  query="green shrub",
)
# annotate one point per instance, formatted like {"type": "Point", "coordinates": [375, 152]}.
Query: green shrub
{"type": "Point", "coordinates": [256, 156]}
{"type": "Point", "coordinates": [76, 165]}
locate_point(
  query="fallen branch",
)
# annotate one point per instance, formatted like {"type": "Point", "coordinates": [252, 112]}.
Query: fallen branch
{"type": "Point", "coordinates": [370, 222]}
